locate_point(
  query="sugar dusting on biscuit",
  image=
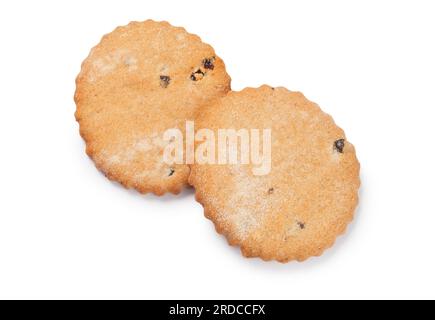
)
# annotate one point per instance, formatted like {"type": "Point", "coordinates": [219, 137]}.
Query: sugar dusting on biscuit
{"type": "Point", "coordinates": [104, 65]}
{"type": "Point", "coordinates": [141, 149]}
{"type": "Point", "coordinates": [247, 207]}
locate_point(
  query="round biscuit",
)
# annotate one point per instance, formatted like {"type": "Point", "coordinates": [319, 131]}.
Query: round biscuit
{"type": "Point", "coordinates": [308, 198]}
{"type": "Point", "coordinates": [139, 81]}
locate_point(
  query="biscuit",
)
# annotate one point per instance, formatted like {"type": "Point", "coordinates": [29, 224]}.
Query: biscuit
{"type": "Point", "coordinates": [308, 198]}
{"type": "Point", "coordinates": [139, 81]}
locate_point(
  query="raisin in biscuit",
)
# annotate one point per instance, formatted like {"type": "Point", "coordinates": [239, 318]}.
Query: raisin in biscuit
{"type": "Point", "coordinates": [310, 195]}
{"type": "Point", "coordinates": [139, 81]}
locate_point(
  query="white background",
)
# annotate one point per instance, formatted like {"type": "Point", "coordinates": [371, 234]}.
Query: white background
{"type": "Point", "coordinates": [67, 232]}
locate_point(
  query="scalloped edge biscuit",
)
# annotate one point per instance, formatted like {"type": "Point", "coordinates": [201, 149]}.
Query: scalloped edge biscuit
{"type": "Point", "coordinates": [286, 215]}
{"type": "Point", "coordinates": [140, 80]}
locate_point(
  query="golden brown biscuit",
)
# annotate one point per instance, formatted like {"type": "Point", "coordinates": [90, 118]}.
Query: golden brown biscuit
{"type": "Point", "coordinates": [308, 198]}
{"type": "Point", "coordinates": [141, 80]}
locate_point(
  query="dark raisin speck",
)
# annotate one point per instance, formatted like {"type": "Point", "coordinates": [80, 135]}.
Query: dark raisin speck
{"type": "Point", "coordinates": [208, 63]}
{"type": "Point", "coordinates": [164, 81]}
{"type": "Point", "coordinates": [339, 145]}
{"type": "Point", "coordinates": [171, 172]}
{"type": "Point", "coordinates": [270, 191]}
{"type": "Point", "coordinates": [301, 225]}
{"type": "Point", "coordinates": [197, 75]}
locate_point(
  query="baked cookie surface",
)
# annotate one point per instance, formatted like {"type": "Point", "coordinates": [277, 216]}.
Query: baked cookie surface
{"type": "Point", "coordinates": [139, 81]}
{"type": "Point", "coordinates": [308, 198]}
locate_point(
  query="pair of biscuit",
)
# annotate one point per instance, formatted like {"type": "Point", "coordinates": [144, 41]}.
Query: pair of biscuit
{"type": "Point", "coordinates": [146, 78]}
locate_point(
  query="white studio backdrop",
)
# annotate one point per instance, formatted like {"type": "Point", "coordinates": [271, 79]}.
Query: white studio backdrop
{"type": "Point", "coordinates": [67, 232]}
